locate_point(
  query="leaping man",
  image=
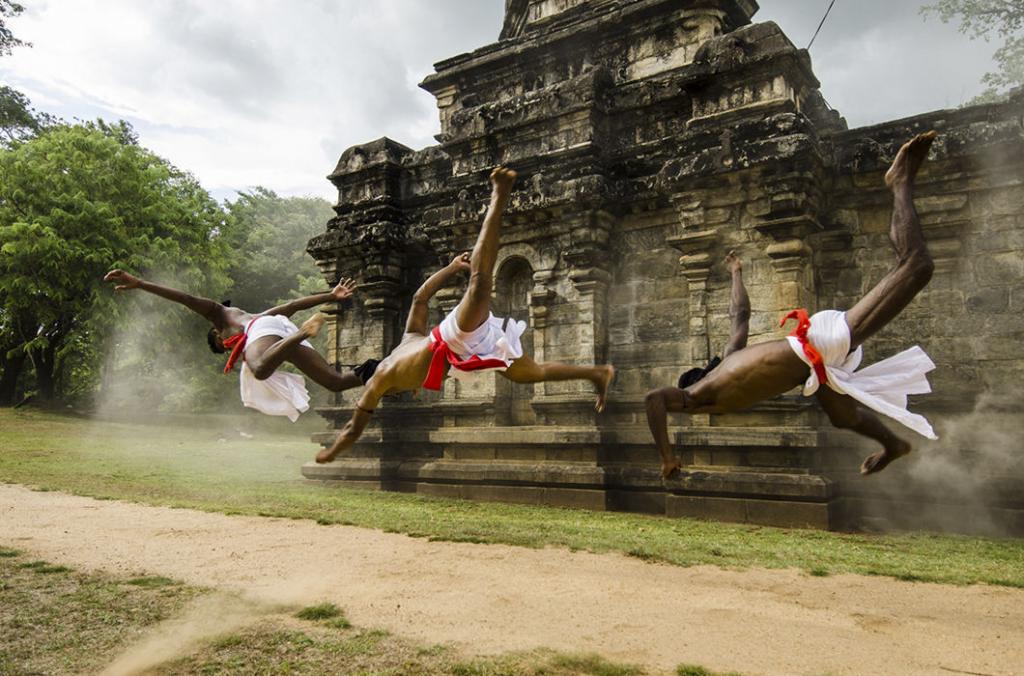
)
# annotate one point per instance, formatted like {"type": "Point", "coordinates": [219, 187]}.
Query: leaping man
{"type": "Point", "coordinates": [264, 341]}
{"type": "Point", "coordinates": [469, 341]}
{"type": "Point", "coordinates": [824, 351]}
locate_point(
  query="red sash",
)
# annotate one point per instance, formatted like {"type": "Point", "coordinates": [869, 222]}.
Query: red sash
{"type": "Point", "coordinates": [237, 344]}
{"type": "Point", "coordinates": [443, 353]}
{"type": "Point", "coordinates": [800, 333]}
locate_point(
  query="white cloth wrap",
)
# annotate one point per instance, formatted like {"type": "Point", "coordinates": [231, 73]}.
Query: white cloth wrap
{"type": "Point", "coordinates": [883, 386]}
{"type": "Point", "coordinates": [282, 393]}
{"type": "Point", "coordinates": [494, 339]}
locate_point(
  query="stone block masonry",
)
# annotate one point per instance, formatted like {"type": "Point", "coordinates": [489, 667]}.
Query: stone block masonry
{"type": "Point", "coordinates": [651, 137]}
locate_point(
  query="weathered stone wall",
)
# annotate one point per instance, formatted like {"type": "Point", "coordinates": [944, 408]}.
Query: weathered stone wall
{"type": "Point", "coordinates": [651, 137]}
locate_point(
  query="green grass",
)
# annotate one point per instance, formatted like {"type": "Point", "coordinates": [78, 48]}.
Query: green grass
{"type": "Point", "coordinates": [152, 581]}
{"type": "Point", "coordinates": [43, 567]}
{"type": "Point", "coordinates": [72, 623]}
{"type": "Point", "coordinates": [191, 466]}
{"type": "Point", "coordinates": [324, 611]}
{"type": "Point", "coordinates": [272, 648]}
{"type": "Point", "coordinates": [694, 670]}
{"type": "Point", "coordinates": [79, 623]}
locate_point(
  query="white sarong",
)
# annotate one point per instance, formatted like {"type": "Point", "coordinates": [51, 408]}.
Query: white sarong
{"type": "Point", "coordinates": [496, 338]}
{"type": "Point", "coordinates": [282, 393]}
{"type": "Point", "coordinates": [883, 386]}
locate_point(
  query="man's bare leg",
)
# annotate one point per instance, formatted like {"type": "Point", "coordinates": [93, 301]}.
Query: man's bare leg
{"type": "Point", "coordinates": [264, 357]}
{"type": "Point", "coordinates": [475, 307]}
{"type": "Point", "coordinates": [525, 370]}
{"type": "Point", "coordinates": [312, 363]}
{"type": "Point", "coordinates": [846, 413]}
{"type": "Point", "coordinates": [658, 404]}
{"type": "Point", "coordinates": [914, 265]}
{"type": "Point", "coordinates": [739, 306]}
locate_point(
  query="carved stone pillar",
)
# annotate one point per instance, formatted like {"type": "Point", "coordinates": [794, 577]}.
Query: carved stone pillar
{"type": "Point", "coordinates": [789, 216]}
{"type": "Point", "coordinates": [588, 260]}
{"type": "Point", "coordinates": [695, 243]}
{"type": "Point", "coordinates": [540, 298]}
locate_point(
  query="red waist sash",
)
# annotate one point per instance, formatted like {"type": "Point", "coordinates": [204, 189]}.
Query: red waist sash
{"type": "Point", "coordinates": [800, 333]}
{"type": "Point", "coordinates": [237, 344]}
{"type": "Point", "coordinates": [443, 353]}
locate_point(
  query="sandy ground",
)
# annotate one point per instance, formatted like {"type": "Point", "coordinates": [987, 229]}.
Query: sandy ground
{"type": "Point", "coordinates": [493, 598]}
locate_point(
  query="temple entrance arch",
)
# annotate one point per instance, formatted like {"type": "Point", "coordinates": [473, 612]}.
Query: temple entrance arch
{"type": "Point", "coordinates": [512, 285]}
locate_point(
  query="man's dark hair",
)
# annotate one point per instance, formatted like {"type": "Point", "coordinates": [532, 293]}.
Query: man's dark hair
{"type": "Point", "coordinates": [215, 345]}
{"type": "Point", "coordinates": [366, 370]}
{"type": "Point", "coordinates": [697, 373]}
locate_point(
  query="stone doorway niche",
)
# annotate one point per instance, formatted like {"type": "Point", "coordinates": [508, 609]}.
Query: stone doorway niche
{"type": "Point", "coordinates": [513, 401]}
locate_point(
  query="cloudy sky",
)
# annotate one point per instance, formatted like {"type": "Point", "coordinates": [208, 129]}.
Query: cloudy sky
{"type": "Point", "coordinates": [270, 92]}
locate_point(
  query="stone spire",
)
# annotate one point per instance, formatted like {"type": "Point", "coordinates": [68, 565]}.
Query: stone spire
{"type": "Point", "coordinates": [515, 19]}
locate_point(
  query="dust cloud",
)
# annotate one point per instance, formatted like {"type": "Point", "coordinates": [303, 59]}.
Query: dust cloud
{"type": "Point", "coordinates": [964, 481]}
{"type": "Point", "coordinates": [211, 617]}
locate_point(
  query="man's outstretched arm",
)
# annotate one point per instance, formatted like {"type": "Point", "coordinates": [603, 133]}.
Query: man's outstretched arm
{"type": "Point", "coordinates": [658, 403]}
{"type": "Point", "coordinates": [353, 429]}
{"type": "Point", "coordinates": [417, 320]}
{"type": "Point", "coordinates": [345, 289]}
{"type": "Point", "coordinates": [210, 310]}
{"type": "Point", "coordinates": [739, 306]}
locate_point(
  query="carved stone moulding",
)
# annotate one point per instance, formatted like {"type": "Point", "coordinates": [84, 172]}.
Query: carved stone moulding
{"type": "Point", "coordinates": [785, 229]}
{"type": "Point", "coordinates": [374, 156]}
{"type": "Point", "coordinates": [696, 261]}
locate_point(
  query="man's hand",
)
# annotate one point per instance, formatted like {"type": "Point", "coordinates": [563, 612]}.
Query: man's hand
{"type": "Point", "coordinates": [733, 263]}
{"type": "Point", "coordinates": [123, 280]}
{"type": "Point", "coordinates": [502, 180]}
{"type": "Point", "coordinates": [460, 262]}
{"type": "Point", "coordinates": [344, 289]}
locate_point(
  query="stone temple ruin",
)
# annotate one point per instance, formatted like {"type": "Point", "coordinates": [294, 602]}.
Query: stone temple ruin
{"type": "Point", "coordinates": [651, 137]}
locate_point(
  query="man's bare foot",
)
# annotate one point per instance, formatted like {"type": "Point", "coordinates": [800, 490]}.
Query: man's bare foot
{"type": "Point", "coordinates": [502, 179]}
{"type": "Point", "coordinates": [602, 386]}
{"type": "Point", "coordinates": [670, 468]}
{"type": "Point", "coordinates": [877, 462]}
{"type": "Point", "coordinates": [312, 326]}
{"type": "Point", "coordinates": [733, 263]}
{"type": "Point", "coordinates": [908, 160]}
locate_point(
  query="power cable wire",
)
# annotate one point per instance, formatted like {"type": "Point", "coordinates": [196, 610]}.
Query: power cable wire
{"type": "Point", "coordinates": [830, 5]}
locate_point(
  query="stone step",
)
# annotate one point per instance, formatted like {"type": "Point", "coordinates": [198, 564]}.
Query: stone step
{"type": "Point", "coordinates": [520, 435]}
{"type": "Point", "coordinates": [684, 437]}
{"type": "Point", "coordinates": [763, 483]}
{"type": "Point", "coordinates": [773, 437]}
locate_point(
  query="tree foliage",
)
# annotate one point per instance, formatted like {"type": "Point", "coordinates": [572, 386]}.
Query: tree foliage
{"type": "Point", "coordinates": [268, 236]}
{"type": "Point", "coordinates": [987, 19]}
{"type": "Point", "coordinates": [19, 121]}
{"type": "Point", "coordinates": [74, 202]}
{"type": "Point", "coordinates": [9, 10]}
{"type": "Point", "coordinates": [78, 200]}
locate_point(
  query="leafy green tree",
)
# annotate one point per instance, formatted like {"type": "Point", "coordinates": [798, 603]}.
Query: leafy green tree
{"type": "Point", "coordinates": [986, 19]}
{"type": "Point", "coordinates": [268, 235]}
{"type": "Point", "coordinates": [8, 10]}
{"type": "Point", "coordinates": [18, 119]}
{"type": "Point", "coordinates": [74, 202]}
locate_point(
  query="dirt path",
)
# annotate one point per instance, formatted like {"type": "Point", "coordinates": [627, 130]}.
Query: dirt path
{"type": "Point", "coordinates": [493, 598]}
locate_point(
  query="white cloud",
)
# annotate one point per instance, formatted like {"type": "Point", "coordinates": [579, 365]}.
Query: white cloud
{"type": "Point", "coordinates": [269, 92]}
{"type": "Point", "coordinates": [243, 93]}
